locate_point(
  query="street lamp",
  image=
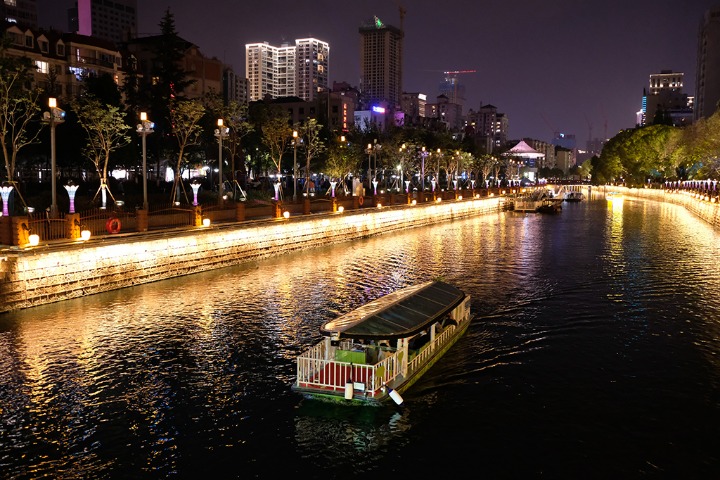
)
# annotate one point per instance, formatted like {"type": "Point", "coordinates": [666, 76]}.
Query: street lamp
{"type": "Point", "coordinates": [220, 132]}
{"type": "Point", "coordinates": [53, 117]}
{"type": "Point", "coordinates": [369, 152]}
{"type": "Point", "coordinates": [295, 141]}
{"type": "Point", "coordinates": [145, 128]}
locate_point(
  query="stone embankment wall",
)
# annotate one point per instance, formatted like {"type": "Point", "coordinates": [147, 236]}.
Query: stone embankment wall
{"type": "Point", "coordinates": [54, 272]}
{"type": "Point", "coordinates": [703, 209]}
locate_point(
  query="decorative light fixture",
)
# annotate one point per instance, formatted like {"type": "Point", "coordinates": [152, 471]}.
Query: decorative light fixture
{"type": "Point", "coordinates": [341, 209]}
{"type": "Point", "coordinates": [85, 235]}
{"type": "Point", "coordinates": [206, 222]}
{"type": "Point", "coordinates": [286, 214]}
{"type": "Point", "coordinates": [34, 240]}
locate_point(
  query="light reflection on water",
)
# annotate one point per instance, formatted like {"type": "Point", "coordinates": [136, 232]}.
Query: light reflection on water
{"type": "Point", "coordinates": [191, 376]}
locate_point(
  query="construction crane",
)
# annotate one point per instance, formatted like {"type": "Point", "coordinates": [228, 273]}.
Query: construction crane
{"type": "Point", "coordinates": [451, 78]}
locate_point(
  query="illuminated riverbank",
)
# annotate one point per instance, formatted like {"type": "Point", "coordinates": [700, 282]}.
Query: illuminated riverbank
{"type": "Point", "coordinates": [45, 274]}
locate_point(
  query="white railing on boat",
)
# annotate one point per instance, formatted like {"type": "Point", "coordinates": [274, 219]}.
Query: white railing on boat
{"type": "Point", "coordinates": [315, 370]}
{"type": "Point", "coordinates": [424, 354]}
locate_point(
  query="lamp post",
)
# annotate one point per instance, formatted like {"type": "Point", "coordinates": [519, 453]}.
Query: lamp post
{"type": "Point", "coordinates": [220, 132]}
{"type": "Point", "coordinates": [53, 117]}
{"type": "Point", "coordinates": [369, 152]}
{"type": "Point", "coordinates": [145, 128]}
{"type": "Point", "coordinates": [295, 141]}
{"type": "Point", "coordinates": [423, 154]}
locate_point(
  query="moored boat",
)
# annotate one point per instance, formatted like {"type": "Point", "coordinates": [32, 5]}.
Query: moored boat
{"type": "Point", "coordinates": [374, 353]}
{"type": "Point", "coordinates": [574, 197]}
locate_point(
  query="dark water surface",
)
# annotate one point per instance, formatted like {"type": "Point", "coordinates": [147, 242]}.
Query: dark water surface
{"type": "Point", "coordinates": [594, 354]}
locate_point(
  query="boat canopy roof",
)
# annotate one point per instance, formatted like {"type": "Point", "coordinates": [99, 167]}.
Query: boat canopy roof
{"type": "Point", "coordinates": [397, 315]}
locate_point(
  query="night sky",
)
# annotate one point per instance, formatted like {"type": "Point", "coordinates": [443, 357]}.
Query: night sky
{"type": "Point", "coordinates": [558, 65]}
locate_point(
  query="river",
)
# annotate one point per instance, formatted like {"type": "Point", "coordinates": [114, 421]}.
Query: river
{"type": "Point", "coordinates": [594, 353]}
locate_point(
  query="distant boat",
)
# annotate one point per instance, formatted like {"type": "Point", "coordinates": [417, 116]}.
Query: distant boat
{"type": "Point", "coordinates": [574, 197]}
{"type": "Point", "coordinates": [374, 353]}
{"type": "Point", "coordinates": [550, 206]}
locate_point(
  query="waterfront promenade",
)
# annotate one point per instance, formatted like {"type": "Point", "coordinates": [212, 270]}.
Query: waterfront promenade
{"type": "Point", "coordinates": [58, 271]}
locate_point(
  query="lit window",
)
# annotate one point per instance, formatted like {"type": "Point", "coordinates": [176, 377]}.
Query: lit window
{"type": "Point", "coordinates": [42, 67]}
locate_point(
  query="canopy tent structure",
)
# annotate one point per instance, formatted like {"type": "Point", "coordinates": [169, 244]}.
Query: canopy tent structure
{"type": "Point", "coordinates": [528, 155]}
{"type": "Point", "coordinates": [523, 150]}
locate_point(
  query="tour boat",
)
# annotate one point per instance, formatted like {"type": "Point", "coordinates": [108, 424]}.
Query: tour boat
{"type": "Point", "coordinates": [574, 197]}
{"type": "Point", "coordinates": [374, 353]}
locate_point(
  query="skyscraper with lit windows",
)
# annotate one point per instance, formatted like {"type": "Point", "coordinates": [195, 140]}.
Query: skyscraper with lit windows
{"type": "Point", "coordinates": [289, 70]}
{"type": "Point", "coordinates": [22, 12]}
{"type": "Point", "coordinates": [381, 48]}
{"type": "Point", "coordinates": [114, 20]}
{"type": "Point", "coordinates": [707, 83]}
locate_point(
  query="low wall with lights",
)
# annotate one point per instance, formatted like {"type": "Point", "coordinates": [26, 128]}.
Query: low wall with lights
{"type": "Point", "coordinates": [702, 206]}
{"type": "Point", "coordinates": [45, 274]}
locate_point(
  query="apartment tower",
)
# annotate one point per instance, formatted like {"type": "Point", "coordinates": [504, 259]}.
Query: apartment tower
{"type": "Point", "coordinates": [299, 70]}
{"type": "Point", "coordinates": [381, 48]}
{"type": "Point", "coordinates": [21, 12]}
{"type": "Point", "coordinates": [707, 83]}
{"type": "Point", "coordinates": [114, 20]}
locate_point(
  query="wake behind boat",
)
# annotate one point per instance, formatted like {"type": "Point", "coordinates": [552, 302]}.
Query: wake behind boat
{"type": "Point", "coordinates": [379, 350]}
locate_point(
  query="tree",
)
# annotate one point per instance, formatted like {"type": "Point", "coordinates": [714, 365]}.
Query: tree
{"type": "Point", "coordinates": [106, 132]}
{"type": "Point", "coordinates": [485, 164]}
{"type": "Point", "coordinates": [312, 145]}
{"type": "Point", "coordinates": [236, 119]}
{"type": "Point", "coordinates": [340, 163]}
{"type": "Point", "coordinates": [185, 117]}
{"type": "Point", "coordinates": [169, 52]}
{"type": "Point", "coordinates": [276, 135]}
{"type": "Point", "coordinates": [18, 107]}
{"type": "Point", "coordinates": [169, 81]}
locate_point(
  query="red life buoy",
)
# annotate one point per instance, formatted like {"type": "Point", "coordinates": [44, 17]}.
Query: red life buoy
{"type": "Point", "coordinates": [113, 225]}
{"type": "Point", "coordinates": [361, 200]}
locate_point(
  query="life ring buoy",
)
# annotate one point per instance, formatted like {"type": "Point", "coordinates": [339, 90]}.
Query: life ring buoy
{"type": "Point", "coordinates": [361, 200]}
{"type": "Point", "coordinates": [113, 225]}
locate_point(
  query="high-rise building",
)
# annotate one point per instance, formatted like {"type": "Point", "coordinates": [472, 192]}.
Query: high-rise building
{"type": "Point", "coordinates": [488, 126]}
{"type": "Point", "coordinates": [21, 12]}
{"type": "Point", "coordinates": [289, 70]}
{"type": "Point", "coordinates": [381, 55]}
{"type": "Point", "coordinates": [114, 20]}
{"type": "Point", "coordinates": [707, 84]}
{"type": "Point", "coordinates": [311, 70]}
{"type": "Point", "coordinates": [664, 101]}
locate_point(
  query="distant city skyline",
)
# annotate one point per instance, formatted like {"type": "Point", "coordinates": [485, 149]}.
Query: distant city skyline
{"type": "Point", "coordinates": [562, 65]}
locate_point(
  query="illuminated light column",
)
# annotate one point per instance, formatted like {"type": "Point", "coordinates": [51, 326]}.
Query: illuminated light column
{"type": "Point", "coordinates": [407, 187]}
{"type": "Point", "coordinates": [220, 132]}
{"type": "Point", "coordinates": [195, 187]}
{"type": "Point", "coordinates": [53, 117]}
{"type": "Point", "coordinates": [145, 128]}
{"type": "Point", "coordinates": [5, 191]}
{"type": "Point", "coordinates": [277, 190]}
{"type": "Point", "coordinates": [332, 188]}
{"type": "Point", "coordinates": [375, 184]}
{"type": "Point", "coordinates": [71, 189]}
